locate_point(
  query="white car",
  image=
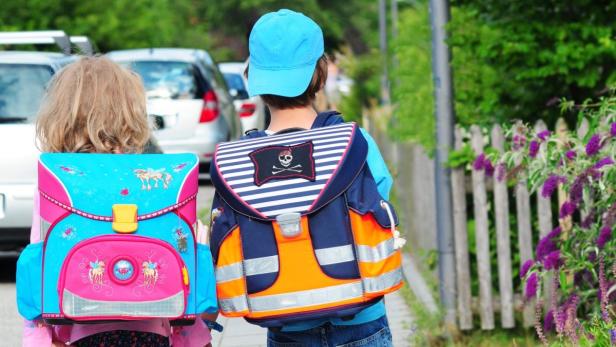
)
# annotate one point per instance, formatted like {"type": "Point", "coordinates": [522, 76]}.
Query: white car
{"type": "Point", "coordinates": [187, 98]}
{"type": "Point", "coordinates": [253, 113]}
{"type": "Point", "coordinates": [23, 79]}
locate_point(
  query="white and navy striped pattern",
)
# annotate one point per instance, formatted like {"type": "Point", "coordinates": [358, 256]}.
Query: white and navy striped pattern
{"type": "Point", "coordinates": [286, 195]}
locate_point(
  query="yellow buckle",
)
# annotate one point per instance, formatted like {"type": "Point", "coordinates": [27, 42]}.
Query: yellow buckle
{"type": "Point", "coordinates": [124, 218]}
{"type": "Point", "coordinates": [185, 276]}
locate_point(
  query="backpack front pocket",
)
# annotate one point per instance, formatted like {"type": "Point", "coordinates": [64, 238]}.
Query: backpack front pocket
{"type": "Point", "coordinates": [28, 281]}
{"type": "Point", "coordinates": [123, 277]}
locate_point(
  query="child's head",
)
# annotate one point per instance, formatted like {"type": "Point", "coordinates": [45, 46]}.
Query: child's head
{"type": "Point", "coordinates": [287, 65]}
{"type": "Point", "coordinates": [94, 105]}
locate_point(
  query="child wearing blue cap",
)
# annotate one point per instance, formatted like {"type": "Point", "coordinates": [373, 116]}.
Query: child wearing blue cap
{"type": "Point", "coordinates": [287, 67]}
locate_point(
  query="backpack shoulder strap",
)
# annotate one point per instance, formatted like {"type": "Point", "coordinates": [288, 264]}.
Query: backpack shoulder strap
{"type": "Point", "coordinates": [253, 134]}
{"type": "Point", "coordinates": [327, 118]}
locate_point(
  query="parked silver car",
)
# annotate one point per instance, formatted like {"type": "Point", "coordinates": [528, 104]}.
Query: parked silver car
{"type": "Point", "coordinates": [252, 111]}
{"type": "Point", "coordinates": [187, 98]}
{"type": "Point", "coordinates": [23, 79]}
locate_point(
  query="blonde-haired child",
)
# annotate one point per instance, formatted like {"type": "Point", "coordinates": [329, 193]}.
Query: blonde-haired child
{"type": "Point", "coordinates": [96, 106]}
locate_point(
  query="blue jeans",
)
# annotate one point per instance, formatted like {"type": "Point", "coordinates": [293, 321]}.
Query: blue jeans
{"type": "Point", "coordinates": [371, 334]}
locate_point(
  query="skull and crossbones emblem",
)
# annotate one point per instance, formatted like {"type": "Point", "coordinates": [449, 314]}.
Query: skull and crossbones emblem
{"type": "Point", "coordinates": [285, 157]}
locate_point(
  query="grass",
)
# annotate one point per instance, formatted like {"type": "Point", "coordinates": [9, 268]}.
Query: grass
{"type": "Point", "coordinates": [429, 331]}
{"type": "Point", "coordinates": [204, 215]}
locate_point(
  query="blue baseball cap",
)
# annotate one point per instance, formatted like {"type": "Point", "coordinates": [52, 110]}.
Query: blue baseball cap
{"type": "Point", "coordinates": [284, 49]}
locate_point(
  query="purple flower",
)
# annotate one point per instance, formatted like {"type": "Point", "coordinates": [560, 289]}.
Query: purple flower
{"type": "Point", "coordinates": [479, 162]}
{"type": "Point", "coordinates": [576, 191]}
{"type": "Point", "coordinates": [594, 145]}
{"type": "Point", "coordinates": [567, 209]}
{"type": "Point", "coordinates": [554, 233]}
{"type": "Point", "coordinates": [603, 289]}
{"type": "Point", "coordinates": [613, 331]}
{"type": "Point", "coordinates": [548, 322]}
{"type": "Point", "coordinates": [525, 267]}
{"type": "Point", "coordinates": [518, 141]}
{"type": "Point", "coordinates": [592, 256]}
{"type": "Point", "coordinates": [550, 185]}
{"type": "Point", "coordinates": [570, 154]}
{"type": "Point", "coordinates": [501, 171]}
{"type": "Point", "coordinates": [603, 162]}
{"type": "Point", "coordinates": [530, 290]}
{"type": "Point", "coordinates": [543, 135]}
{"type": "Point", "coordinates": [545, 246]}
{"type": "Point", "coordinates": [552, 261]}
{"type": "Point", "coordinates": [613, 130]}
{"type": "Point", "coordinates": [611, 297]}
{"type": "Point", "coordinates": [595, 174]}
{"type": "Point", "coordinates": [605, 235]}
{"type": "Point", "coordinates": [533, 148]}
{"type": "Point", "coordinates": [488, 167]}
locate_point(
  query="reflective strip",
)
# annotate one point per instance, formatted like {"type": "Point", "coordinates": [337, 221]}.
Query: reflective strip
{"type": "Point", "coordinates": [306, 298]}
{"type": "Point", "coordinates": [312, 297]}
{"type": "Point", "coordinates": [259, 266]}
{"type": "Point", "coordinates": [335, 255]}
{"type": "Point", "coordinates": [229, 272]}
{"type": "Point", "coordinates": [382, 282]}
{"type": "Point", "coordinates": [377, 253]}
{"type": "Point", "coordinates": [75, 306]}
{"type": "Point", "coordinates": [250, 267]}
{"type": "Point", "coordinates": [235, 304]}
{"type": "Point", "coordinates": [44, 228]}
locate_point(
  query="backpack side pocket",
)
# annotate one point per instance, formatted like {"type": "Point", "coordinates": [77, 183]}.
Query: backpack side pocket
{"type": "Point", "coordinates": [206, 283]}
{"type": "Point", "coordinates": [29, 281]}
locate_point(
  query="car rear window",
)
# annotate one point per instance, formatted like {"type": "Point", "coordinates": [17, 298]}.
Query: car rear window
{"type": "Point", "coordinates": [22, 87]}
{"type": "Point", "coordinates": [235, 81]}
{"type": "Point", "coordinates": [168, 79]}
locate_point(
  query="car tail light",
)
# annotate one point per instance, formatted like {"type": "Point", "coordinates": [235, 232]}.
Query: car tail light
{"type": "Point", "coordinates": [210, 110]}
{"type": "Point", "coordinates": [247, 109]}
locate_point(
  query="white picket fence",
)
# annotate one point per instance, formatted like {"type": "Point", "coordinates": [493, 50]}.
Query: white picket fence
{"type": "Point", "coordinates": [415, 190]}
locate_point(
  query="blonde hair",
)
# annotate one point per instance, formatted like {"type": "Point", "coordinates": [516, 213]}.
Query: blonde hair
{"type": "Point", "coordinates": [94, 105]}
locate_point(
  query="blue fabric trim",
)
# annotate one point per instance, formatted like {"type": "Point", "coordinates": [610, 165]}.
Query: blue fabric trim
{"type": "Point", "coordinates": [377, 166]}
{"type": "Point", "coordinates": [221, 226]}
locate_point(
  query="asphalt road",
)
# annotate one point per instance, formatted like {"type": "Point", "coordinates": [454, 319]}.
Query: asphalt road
{"type": "Point", "coordinates": [10, 322]}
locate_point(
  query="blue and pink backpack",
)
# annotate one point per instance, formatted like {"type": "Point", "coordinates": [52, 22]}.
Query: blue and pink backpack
{"type": "Point", "coordinates": [118, 241]}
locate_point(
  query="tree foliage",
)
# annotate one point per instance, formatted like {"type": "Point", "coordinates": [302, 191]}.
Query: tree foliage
{"type": "Point", "coordinates": [412, 78]}
{"type": "Point", "coordinates": [510, 60]}
{"type": "Point", "coordinates": [219, 26]}
{"type": "Point", "coordinates": [516, 59]}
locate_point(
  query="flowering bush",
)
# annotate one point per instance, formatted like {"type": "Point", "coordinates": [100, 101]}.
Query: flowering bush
{"type": "Point", "coordinates": [581, 251]}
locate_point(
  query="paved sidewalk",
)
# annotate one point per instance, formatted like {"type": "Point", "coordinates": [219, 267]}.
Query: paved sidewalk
{"type": "Point", "coordinates": [238, 333]}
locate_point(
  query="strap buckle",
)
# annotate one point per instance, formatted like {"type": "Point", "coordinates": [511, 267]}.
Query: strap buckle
{"type": "Point", "coordinates": [124, 218]}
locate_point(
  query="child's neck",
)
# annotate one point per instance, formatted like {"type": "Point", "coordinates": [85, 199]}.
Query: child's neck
{"type": "Point", "coordinates": [301, 117]}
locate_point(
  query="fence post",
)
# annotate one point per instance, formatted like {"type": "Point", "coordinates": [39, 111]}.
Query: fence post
{"type": "Point", "coordinates": [463, 278]}
{"type": "Point", "coordinates": [562, 133]}
{"type": "Point", "coordinates": [503, 245]}
{"type": "Point", "coordinates": [525, 238]}
{"type": "Point", "coordinates": [544, 215]}
{"type": "Point", "coordinates": [582, 130]}
{"type": "Point", "coordinates": [482, 237]}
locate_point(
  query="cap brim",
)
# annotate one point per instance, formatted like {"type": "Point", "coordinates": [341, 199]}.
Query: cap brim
{"type": "Point", "coordinates": [288, 82]}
